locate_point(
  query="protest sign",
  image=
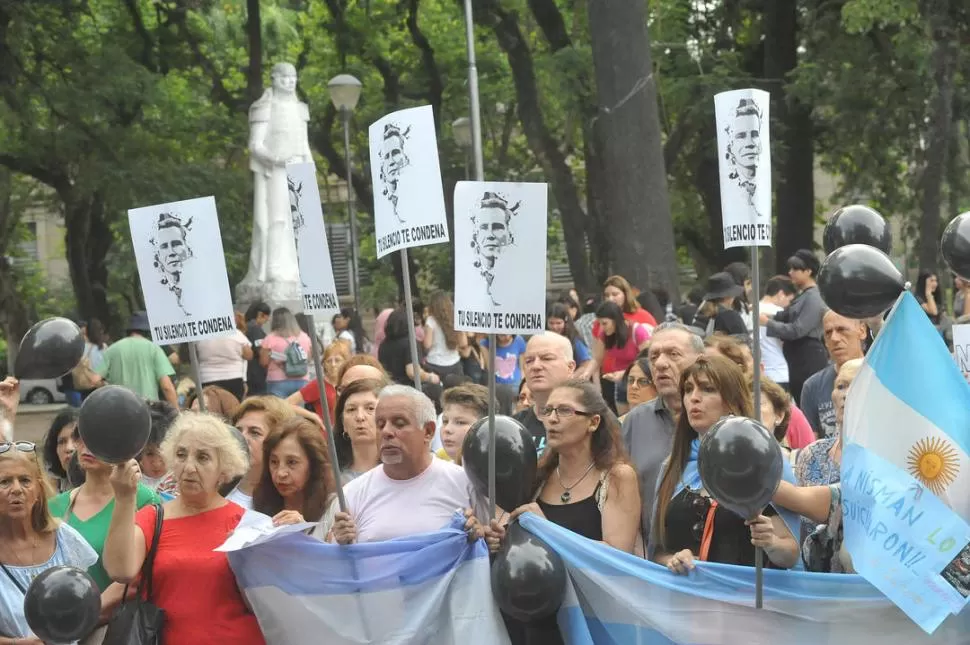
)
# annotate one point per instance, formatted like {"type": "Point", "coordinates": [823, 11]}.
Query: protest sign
{"type": "Point", "coordinates": [744, 155]}
{"type": "Point", "coordinates": [409, 202]}
{"type": "Point", "coordinates": [310, 234]}
{"type": "Point", "coordinates": [500, 257]}
{"type": "Point", "coordinates": [182, 268]}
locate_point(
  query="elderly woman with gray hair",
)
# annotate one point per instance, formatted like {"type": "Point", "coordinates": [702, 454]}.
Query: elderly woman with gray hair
{"type": "Point", "coordinates": [192, 583]}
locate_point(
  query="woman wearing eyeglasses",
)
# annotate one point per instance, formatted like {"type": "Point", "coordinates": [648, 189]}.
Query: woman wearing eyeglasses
{"type": "Point", "coordinates": [31, 541]}
{"type": "Point", "coordinates": [639, 383]}
{"type": "Point", "coordinates": [688, 525]}
{"type": "Point", "coordinates": [584, 483]}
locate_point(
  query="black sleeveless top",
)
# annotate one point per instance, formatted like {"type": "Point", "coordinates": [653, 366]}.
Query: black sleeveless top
{"type": "Point", "coordinates": [582, 517]}
{"type": "Point", "coordinates": [731, 542]}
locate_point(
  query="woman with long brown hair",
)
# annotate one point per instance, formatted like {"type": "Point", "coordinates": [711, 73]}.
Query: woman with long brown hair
{"type": "Point", "coordinates": [444, 346]}
{"type": "Point", "coordinates": [297, 479]}
{"type": "Point", "coordinates": [690, 525]}
{"type": "Point", "coordinates": [585, 482]}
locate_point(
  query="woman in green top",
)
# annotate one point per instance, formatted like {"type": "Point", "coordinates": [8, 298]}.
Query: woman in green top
{"type": "Point", "coordinates": [87, 509]}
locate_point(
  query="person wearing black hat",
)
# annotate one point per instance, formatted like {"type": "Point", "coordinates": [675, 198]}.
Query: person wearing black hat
{"type": "Point", "coordinates": [799, 326]}
{"type": "Point", "coordinates": [717, 315]}
{"type": "Point", "coordinates": [138, 364]}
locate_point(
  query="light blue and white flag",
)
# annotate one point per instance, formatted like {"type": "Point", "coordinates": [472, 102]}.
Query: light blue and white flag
{"type": "Point", "coordinates": [614, 598]}
{"type": "Point", "coordinates": [906, 468]}
{"type": "Point", "coordinates": [425, 589]}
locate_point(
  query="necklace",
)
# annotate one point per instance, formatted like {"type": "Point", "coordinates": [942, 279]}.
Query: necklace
{"type": "Point", "coordinates": [566, 496]}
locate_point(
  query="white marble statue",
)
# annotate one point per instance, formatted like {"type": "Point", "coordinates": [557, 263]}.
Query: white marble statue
{"type": "Point", "coordinates": [277, 136]}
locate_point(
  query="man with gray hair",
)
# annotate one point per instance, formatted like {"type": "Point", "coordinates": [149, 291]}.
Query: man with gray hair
{"type": "Point", "coordinates": [648, 429]}
{"type": "Point", "coordinates": [548, 364]}
{"type": "Point", "coordinates": [412, 492]}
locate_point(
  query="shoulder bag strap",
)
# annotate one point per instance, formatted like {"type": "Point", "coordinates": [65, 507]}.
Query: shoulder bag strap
{"type": "Point", "coordinates": [149, 565]}
{"type": "Point", "coordinates": [13, 580]}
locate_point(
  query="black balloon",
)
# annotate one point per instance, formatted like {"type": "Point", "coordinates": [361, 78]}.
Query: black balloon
{"type": "Point", "coordinates": [515, 461]}
{"type": "Point", "coordinates": [62, 605]}
{"type": "Point", "coordinates": [857, 224]}
{"type": "Point", "coordinates": [528, 577]}
{"type": "Point", "coordinates": [955, 245]}
{"type": "Point", "coordinates": [859, 281]}
{"type": "Point", "coordinates": [740, 463]}
{"type": "Point", "coordinates": [50, 349]}
{"type": "Point", "coordinates": [114, 423]}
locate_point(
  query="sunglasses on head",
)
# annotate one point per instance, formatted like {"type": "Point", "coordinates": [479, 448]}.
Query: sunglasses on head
{"type": "Point", "coordinates": [20, 446]}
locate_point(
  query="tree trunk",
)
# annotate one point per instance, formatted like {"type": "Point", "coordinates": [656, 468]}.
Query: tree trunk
{"type": "Point", "coordinates": [254, 34]}
{"type": "Point", "coordinates": [793, 157]}
{"type": "Point", "coordinates": [628, 135]}
{"type": "Point", "coordinates": [943, 65]}
{"type": "Point", "coordinates": [87, 238]}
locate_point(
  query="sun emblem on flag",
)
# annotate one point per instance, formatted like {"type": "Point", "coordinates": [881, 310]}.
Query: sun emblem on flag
{"type": "Point", "coordinates": [934, 462]}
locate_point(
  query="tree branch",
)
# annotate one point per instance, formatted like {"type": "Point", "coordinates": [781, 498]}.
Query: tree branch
{"type": "Point", "coordinates": [436, 88]}
{"type": "Point", "coordinates": [148, 43]}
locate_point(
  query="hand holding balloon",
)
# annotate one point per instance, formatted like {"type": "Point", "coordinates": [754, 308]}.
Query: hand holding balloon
{"type": "Point", "coordinates": [124, 480]}
{"type": "Point", "coordinates": [762, 532]}
{"type": "Point", "coordinates": [10, 397]}
{"type": "Point", "coordinates": [494, 536]}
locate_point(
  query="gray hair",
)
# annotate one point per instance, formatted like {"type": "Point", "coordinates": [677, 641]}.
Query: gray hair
{"type": "Point", "coordinates": [696, 342]}
{"type": "Point", "coordinates": [424, 412]}
{"type": "Point", "coordinates": [284, 322]}
{"type": "Point", "coordinates": [211, 431]}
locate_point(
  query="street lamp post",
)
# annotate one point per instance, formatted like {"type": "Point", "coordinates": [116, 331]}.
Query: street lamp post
{"type": "Point", "coordinates": [462, 130]}
{"type": "Point", "coordinates": [344, 93]}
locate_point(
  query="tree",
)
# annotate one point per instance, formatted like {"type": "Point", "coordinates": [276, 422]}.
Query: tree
{"type": "Point", "coordinates": [629, 147]}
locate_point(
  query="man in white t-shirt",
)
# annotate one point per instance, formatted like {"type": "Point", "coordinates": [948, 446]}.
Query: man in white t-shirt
{"type": "Point", "coordinates": [779, 292]}
{"type": "Point", "coordinates": [412, 492]}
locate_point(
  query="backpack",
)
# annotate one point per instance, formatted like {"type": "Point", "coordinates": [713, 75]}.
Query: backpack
{"type": "Point", "coordinates": [295, 360]}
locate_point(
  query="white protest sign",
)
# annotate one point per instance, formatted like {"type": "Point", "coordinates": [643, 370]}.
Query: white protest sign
{"type": "Point", "coordinates": [409, 202]}
{"type": "Point", "coordinates": [744, 155]}
{"type": "Point", "coordinates": [178, 249]}
{"type": "Point", "coordinates": [961, 349]}
{"type": "Point", "coordinates": [500, 257]}
{"type": "Point", "coordinates": [312, 251]}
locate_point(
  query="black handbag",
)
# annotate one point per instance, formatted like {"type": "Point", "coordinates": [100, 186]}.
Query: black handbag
{"type": "Point", "coordinates": [138, 621]}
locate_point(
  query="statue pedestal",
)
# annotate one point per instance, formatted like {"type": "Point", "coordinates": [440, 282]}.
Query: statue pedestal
{"type": "Point", "coordinates": [275, 294]}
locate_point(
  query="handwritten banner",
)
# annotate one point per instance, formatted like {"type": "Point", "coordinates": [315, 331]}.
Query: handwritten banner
{"type": "Point", "coordinates": [901, 537]}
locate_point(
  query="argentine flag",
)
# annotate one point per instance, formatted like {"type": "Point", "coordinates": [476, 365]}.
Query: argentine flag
{"type": "Point", "coordinates": [420, 590]}
{"type": "Point", "coordinates": [906, 468]}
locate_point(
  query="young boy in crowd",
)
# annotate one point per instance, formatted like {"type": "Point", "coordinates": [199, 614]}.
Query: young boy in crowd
{"type": "Point", "coordinates": [462, 405]}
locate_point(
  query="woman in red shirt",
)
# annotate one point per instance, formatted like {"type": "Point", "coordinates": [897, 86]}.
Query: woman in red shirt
{"type": "Point", "coordinates": [617, 290]}
{"type": "Point", "coordinates": [616, 345]}
{"type": "Point", "coordinates": [192, 583]}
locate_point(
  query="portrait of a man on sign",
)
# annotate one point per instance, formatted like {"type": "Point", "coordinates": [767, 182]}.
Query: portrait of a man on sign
{"type": "Point", "coordinates": [172, 250]}
{"type": "Point", "coordinates": [744, 147]}
{"type": "Point", "coordinates": [394, 160]}
{"type": "Point", "coordinates": [491, 234]}
{"type": "Point", "coordinates": [296, 210]}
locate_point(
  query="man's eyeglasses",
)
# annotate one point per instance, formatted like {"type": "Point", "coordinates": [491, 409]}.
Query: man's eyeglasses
{"type": "Point", "coordinates": [20, 446]}
{"type": "Point", "coordinates": [563, 411]}
{"type": "Point", "coordinates": [639, 382]}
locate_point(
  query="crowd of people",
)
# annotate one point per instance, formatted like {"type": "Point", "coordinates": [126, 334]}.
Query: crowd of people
{"type": "Point", "coordinates": [616, 394]}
